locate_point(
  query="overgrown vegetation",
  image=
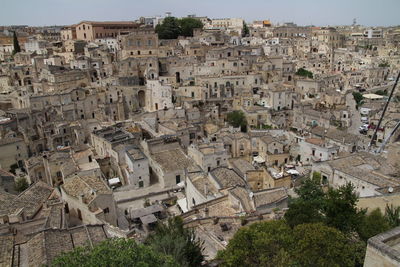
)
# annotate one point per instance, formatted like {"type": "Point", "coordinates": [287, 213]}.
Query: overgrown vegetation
{"type": "Point", "coordinates": [115, 252]}
{"type": "Point", "coordinates": [237, 118]}
{"type": "Point", "coordinates": [180, 243]}
{"type": "Point", "coordinates": [304, 73]}
{"type": "Point", "coordinates": [170, 245]}
{"type": "Point", "coordinates": [321, 228]}
{"type": "Point", "coordinates": [384, 65]}
{"type": "Point", "coordinates": [172, 28]}
{"type": "Point", "coordinates": [274, 243]}
{"type": "Point", "coordinates": [358, 97]}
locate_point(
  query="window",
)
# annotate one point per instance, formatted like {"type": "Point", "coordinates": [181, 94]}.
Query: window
{"type": "Point", "coordinates": [106, 210]}
{"type": "Point", "coordinates": [59, 174]}
{"type": "Point", "coordinates": [178, 179]}
{"type": "Point", "coordinates": [141, 183]}
{"type": "Point", "coordinates": [193, 201]}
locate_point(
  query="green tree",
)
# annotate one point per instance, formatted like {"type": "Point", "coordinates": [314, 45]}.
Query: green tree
{"type": "Point", "coordinates": [274, 243]}
{"type": "Point", "coordinates": [172, 28]}
{"type": "Point", "coordinates": [17, 48]}
{"type": "Point", "coordinates": [358, 97]}
{"type": "Point", "coordinates": [336, 208]}
{"type": "Point", "coordinates": [169, 28]}
{"type": "Point", "coordinates": [392, 214]}
{"type": "Point", "coordinates": [340, 208]}
{"type": "Point", "coordinates": [304, 73]}
{"type": "Point", "coordinates": [21, 184]}
{"type": "Point", "coordinates": [260, 244]}
{"type": "Point", "coordinates": [373, 224]}
{"type": "Point", "coordinates": [320, 245]}
{"type": "Point", "coordinates": [307, 208]}
{"type": "Point", "coordinates": [237, 118]}
{"type": "Point", "coordinates": [187, 26]}
{"type": "Point", "coordinates": [114, 252]}
{"type": "Point", "coordinates": [178, 242]}
{"type": "Point", "coordinates": [245, 30]}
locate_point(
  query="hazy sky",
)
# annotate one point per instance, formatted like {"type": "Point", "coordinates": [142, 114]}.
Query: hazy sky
{"type": "Point", "coordinates": [302, 12]}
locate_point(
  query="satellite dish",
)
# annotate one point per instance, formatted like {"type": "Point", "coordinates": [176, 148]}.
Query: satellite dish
{"type": "Point", "coordinates": [390, 189]}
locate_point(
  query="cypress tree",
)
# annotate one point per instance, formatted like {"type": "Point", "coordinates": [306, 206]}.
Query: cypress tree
{"type": "Point", "coordinates": [17, 48]}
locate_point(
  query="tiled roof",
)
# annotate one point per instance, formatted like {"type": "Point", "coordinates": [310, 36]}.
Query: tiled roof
{"type": "Point", "coordinates": [227, 177]}
{"type": "Point", "coordinates": [270, 196]}
{"type": "Point", "coordinates": [174, 159]}
{"type": "Point", "coordinates": [48, 244]}
{"type": "Point", "coordinates": [86, 186]}
{"type": "Point", "coordinates": [30, 200]}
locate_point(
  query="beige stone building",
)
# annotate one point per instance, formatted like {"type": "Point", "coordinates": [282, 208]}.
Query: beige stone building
{"type": "Point", "coordinates": [91, 30]}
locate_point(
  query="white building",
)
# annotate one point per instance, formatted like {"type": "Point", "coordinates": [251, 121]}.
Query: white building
{"type": "Point", "coordinates": [135, 166]}
{"type": "Point", "coordinates": [111, 43]}
{"type": "Point", "coordinates": [38, 46]}
{"type": "Point", "coordinates": [316, 150]}
{"type": "Point", "coordinates": [158, 96]}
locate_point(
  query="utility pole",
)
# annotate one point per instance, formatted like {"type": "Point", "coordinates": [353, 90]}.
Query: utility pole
{"type": "Point", "coordinates": [373, 139]}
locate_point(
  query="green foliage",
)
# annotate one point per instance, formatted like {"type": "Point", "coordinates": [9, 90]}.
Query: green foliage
{"type": "Point", "coordinates": [336, 208]}
{"type": "Point", "coordinates": [188, 25]}
{"type": "Point", "coordinates": [304, 73]}
{"type": "Point", "coordinates": [340, 208]}
{"type": "Point", "coordinates": [274, 243]}
{"type": "Point", "coordinates": [266, 127]}
{"type": "Point", "coordinates": [392, 214]}
{"type": "Point", "coordinates": [21, 184]}
{"type": "Point", "coordinates": [172, 28]}
{"type": "Point", "coordinates": [373, 224]}
{"type": "Point", "coordinates": [237, 118]}
{"type": "Point", "coordinates": [308, 206]}
{"type": "Point", "coordinates": [260, 244]}
{"type": "Point", "coordinates": [320, 245]}
{"type": "Point", "coordinates": [381, 92]}
{"type": "Point", "coordinates": [384, 65]}
{"type": "Point", "coordinates": [245, 30]}
{"type": "Point", "coordinates": [178, 242]}
{"type": "Point", "coordinates": [168, 29]}
{"type": "Point", "coordinates": [316, 176]}
{"type": "Point", "coordinates": [17, 48]}
{"type": "Point", "coordinates": [358, 97]}
{"type": "Point", "coordinates": [114, 252]}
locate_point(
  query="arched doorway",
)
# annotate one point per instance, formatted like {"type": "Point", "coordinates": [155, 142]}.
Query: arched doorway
{"type": "Point", "coordinates": [142, 98]}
